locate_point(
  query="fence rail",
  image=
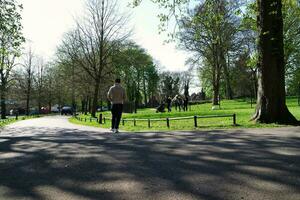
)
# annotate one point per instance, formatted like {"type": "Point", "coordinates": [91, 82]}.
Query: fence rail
{"type": "Point", "coordinates": [195, 118]}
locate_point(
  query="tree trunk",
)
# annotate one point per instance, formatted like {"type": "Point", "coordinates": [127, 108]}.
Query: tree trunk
{"type": "Point", "coordinates": [95, 99]}
{"type": "Point", "coordinates": [50, 105]}
{"type": "Point", "coordinates": [215, 100]}
{"type": "Point", "coordinates": [229, 94]}
{"type": "Point", "coordinates": [271, 103]}
{"type": "Point", "coordinates": [145, 90]}
{"type": "Point", "coordinates": [87, 104]}
{"type": "Point", "coordinates": [27, 103]}
{"type": "Point", "coordinates": [254, 84]}
{"type": "Point", "coordinates": [3, 105]}
{"type": "Point", "coordinates": [82, 105]}
{"type": "Point", "coordinates": [216, 72]}
{"type": "Point", "coordinates": [28, 96]}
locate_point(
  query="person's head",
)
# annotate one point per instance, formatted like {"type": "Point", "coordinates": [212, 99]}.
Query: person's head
{"type": "Point", "coordinates": [118, 80]}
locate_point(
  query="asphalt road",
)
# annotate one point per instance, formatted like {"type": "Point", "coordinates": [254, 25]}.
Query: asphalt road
{"type": "Point", "coordinates": [49, 158]}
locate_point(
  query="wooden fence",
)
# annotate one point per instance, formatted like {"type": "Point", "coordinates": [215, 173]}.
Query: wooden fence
{"type": "Point", "coordinates": [195, 118]}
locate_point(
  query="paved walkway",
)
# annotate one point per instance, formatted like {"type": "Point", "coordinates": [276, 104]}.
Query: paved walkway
{"type": "Point", "coordinates": [49, 158]}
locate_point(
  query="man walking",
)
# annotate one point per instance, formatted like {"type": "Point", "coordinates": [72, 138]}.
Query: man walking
{"type": "Point", "coordinates": [116, 95]}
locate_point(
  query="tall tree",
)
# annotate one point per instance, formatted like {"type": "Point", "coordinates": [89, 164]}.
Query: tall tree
{"type": "Point", "coordinates": [40, 77]}
{"type": "Point", "coordinates": [209, 31]}
{"type": "Point", "coordinates": [11, 39]}
{"type": "Point", "coordinates": [95, 40]}
{"type": "Point", "coordinates": [271, 103]}
{"type": "Point", "coordinates": [135, 66]}
{"type": "Point", "coordinates": [28, 74]}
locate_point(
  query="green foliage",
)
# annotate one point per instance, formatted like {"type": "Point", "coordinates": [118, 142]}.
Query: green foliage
{"type": "Point", "coordinates": [10, 30]}
{"type": "Point", "coordinates": [169, 84]}
{"type": "Point", "coordinates": [138, 72]}
{"type": "Point", "coordinates": [11, 39]}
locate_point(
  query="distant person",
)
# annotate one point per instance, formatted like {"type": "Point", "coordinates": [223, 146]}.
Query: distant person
{"type": "Point", "coordinates": [185, 103]}
{"type": "Point", "coordinates": [175, 100]}
{"type": "Point", "coordinates": [178, 102]}
{"type": "Point", "coordinates": [161, 108]}
{"type": "Point", "coordinates": [169, 104]}
{"type": "Point", "coordinates": [116, 95]}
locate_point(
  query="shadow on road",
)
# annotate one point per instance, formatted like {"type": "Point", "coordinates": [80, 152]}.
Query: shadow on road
{"type": "Point", "coordinates": [70, 164]}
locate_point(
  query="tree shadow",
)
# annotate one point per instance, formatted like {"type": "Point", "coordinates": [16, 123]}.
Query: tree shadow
{"type": "Point", "coordinates": [56, 163]}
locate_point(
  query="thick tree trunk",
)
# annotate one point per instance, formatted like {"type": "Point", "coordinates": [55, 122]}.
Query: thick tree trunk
{"type": "Point", "coordinates": [216, 72]}
{"type": "Point", "coordinates": [271, 103]}
{"type": "Point", "coordinates": [215, 100]}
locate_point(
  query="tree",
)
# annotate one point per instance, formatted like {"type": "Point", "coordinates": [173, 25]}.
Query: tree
{"type": "Point", "coordinates": [11, 39]}
{"type": "Point", "coordinates": [210, 33]}
{"type": "Point", "coordinates": [169, 84]}
{"type": "Point", "coordinates": [271, 103]}
{"type": "Point", "coordinates": [94, 41]}
{"type": "Point", "coordinates": [39, 79]}
{"type": "Point", "coordinates": [291, 34]}
{"type": "Point", "coordinates": [28, 76]}
{"type": "Point", "coordinates": [138, 72]}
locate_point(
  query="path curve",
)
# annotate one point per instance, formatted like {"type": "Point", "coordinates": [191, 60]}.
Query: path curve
{"type": "Point", "coordinates": [52, 159]}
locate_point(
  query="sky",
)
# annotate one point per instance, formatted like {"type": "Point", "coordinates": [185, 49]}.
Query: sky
{"type": "Point", "coordinates": [45, 22]}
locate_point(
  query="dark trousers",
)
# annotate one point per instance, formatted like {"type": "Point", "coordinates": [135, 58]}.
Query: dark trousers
{"type": "Point", "coordinates": [169, 107]}
{"type": "Point", "coordinates": [116, 112]}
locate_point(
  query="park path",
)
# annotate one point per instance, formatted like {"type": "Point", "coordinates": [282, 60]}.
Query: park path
{"type": "Point", "coordinates": [49, 158]}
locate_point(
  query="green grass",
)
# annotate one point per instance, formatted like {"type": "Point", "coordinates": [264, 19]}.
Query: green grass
{"type": "Point", "coordinates": [13, 120]}
{"type": "Point", "coordinates": [240, 107]}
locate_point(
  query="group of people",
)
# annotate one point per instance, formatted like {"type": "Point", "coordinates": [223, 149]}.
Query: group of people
{"type": "Point", "coordinates": [180, 103]}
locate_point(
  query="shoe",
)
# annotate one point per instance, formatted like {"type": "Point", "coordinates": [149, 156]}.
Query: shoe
{"type": "Point", "coordinates": [117, 131]}
{"type": "Point", "coordinates": [112, 130]}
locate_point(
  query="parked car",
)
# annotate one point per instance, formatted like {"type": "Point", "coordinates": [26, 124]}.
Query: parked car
{"type": "Point", "coordinates": [104, 108]}
{"type": "Point", "coordinates": [66, 110]}
{"type": "Point", "coordinates": [55, 109]}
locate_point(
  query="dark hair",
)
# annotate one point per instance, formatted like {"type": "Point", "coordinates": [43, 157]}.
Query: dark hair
{"type": "Point", "coordinates": [118, 80]}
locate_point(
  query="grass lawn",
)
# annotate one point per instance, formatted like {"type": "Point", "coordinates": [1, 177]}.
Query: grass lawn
{"type": "Point", "coordinates": [13, 120]}
{"type": "Point", "coordinates": [240, 107]}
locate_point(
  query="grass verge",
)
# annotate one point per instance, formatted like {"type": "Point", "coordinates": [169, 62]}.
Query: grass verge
{"type": "Point", "coordinates": [240, 107]}
{"type": "Point", "coordinates": [13, 120]}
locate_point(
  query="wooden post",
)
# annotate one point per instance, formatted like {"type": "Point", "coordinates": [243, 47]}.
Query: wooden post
{"type": "Point", "coordinates": [234, 119]}
{"type": "Point", "coordinates": [104, 120]}
{"type": "Point", "coordinates": [85, 119]}
{"type": "Point", "coordinates": [195, 121]}
{"type": "Point", "coordinates": [100, 118]}
{"type": "Point", "coordinates": [90, 119]}
{"type": "Point", "coordinates": [134, 122]}
{"type": "Point", "coordinates": [149, 123]}
{"type": "Point", "coordinates": [168, 122]}
{"type": "Point", "coordinates": [123, 122]}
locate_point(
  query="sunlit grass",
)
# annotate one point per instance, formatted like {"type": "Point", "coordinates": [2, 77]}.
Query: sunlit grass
{"type": "Point", "coordinates": [13, 119]}
{"type": "Point", "coordinates": [240, 107]}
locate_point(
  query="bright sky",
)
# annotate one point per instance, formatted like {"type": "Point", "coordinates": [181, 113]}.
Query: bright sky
{"type": "Point", "coordinates": [45, 21]}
